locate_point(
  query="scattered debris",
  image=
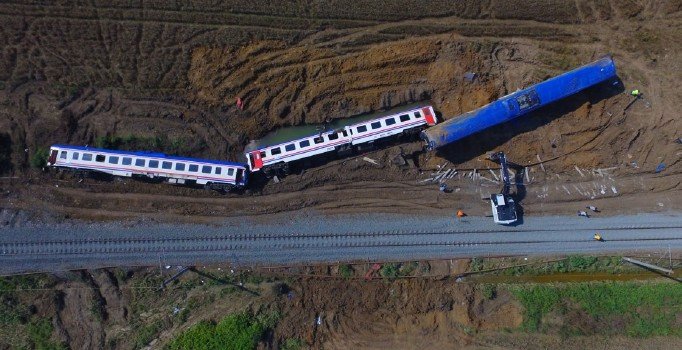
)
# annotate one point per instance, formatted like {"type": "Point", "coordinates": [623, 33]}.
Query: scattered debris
{"type": "Point", "coordinates": [679, 140]}
{"type": "Point", "coordinates": [495, 175]}
{"type": "Point", "coordinates": [660, 168]}
{"type": "Point", "coordinates": [240, 103]}
{"type": "Point", "coordinates": [541, 165]}
{"type": "Point", "coordinates": [370, 160]}
{"type": "Point", "coordinates": [634, 165]}
{"type": "Point", "coordinates": [578, 170]}
{"type": "Point", "coordinates": [614, 190]}
{"type": "Point", "coordinates": [583, 214]}
{"type": "Point", "coordinates": [460, 213]}
{"type": "Point", "coordinates": [275, 179]}
{"type": "Point", "coordinates": [593, 208]}
{"type": "Point", "coordinates": [469, 76]}
{"type": "Point", "coordinates": [371, 271]}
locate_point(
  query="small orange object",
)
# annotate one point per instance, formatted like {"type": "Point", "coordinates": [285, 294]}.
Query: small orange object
{"type": "Point", "coordinates": [460, 214]}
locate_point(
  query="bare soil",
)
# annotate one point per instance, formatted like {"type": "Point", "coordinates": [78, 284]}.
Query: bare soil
{"type": "Point", "coordinates": [78, 73]}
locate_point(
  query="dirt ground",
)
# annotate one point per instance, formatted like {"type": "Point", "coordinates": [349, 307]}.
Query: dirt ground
{"type": "Point", "coordinates": [166, 75]}
{"type": "Point", "coordinates": [78, 74]}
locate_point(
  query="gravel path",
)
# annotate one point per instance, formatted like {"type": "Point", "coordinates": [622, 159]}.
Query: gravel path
{"type": "Point", "coordinates": [316, 239]}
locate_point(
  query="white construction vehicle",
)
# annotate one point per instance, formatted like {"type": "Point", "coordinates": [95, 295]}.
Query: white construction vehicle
{"type": "Point", "coordinates": [503, 205]}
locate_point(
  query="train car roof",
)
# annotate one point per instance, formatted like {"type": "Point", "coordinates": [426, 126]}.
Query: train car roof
{"type": "Point", "coordinates": [292, 133]}
{"type": "Point", "coordinates": [148, 154]}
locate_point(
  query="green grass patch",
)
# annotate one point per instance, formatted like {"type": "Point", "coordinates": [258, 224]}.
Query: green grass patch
{"type": "Point", "coordinates": [488, 290]}
{"type": "Point", "coordinates": [40, 334]}
{"type": "Point", "coordinates": [39, 157]}
{"type": "Point", "coordinates": [346, 271]}
{"type": "Point", "coordinates": [146, 333]}
{"type": "Point", "coordinates": [648, 309]}
{"type": "Point", "coordinates": [292, 344]}
{"type": "Point", "coordinates": [572, 264]}
{"type": "Point", "coordinates": [389, 270]}
{"type": "Point", "coordinates": [238, 331]}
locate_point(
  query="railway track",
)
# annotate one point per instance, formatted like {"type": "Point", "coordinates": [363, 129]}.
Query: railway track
{"type": "Point", "coordinates": [68, 247]}
{"type": "Point", "coordinates": [240, 242]}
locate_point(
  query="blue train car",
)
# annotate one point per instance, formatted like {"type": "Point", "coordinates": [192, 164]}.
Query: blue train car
{"type": "Point", "coordinates": [519, 103]}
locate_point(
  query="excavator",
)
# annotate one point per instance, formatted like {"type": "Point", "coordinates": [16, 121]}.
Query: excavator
{"type": "Point", "coordinates": [503, 205]}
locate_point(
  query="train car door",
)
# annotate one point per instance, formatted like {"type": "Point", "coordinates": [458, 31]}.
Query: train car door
{"type": "Point", "coordinates": [256, 160]}
{"type": "Point", "coordinates": [53, 157]}
{"type": "Point", "coordinates": [240, 174]}
{"type": "Point", "coordinates": [428, 116]}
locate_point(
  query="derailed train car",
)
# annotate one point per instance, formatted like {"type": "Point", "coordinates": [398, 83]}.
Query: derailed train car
{"type": "Point", "coordinates": [213, 174]}
{"type": "Point", "coordinates": [520, 103]}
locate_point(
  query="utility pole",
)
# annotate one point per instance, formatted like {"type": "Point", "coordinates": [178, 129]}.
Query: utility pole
{"type": "Point", "coordinates": [649, 266]}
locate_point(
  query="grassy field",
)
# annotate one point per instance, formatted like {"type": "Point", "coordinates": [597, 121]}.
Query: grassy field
{"type": "Point", "coordinates": [237, 331]}
{"type": "Point", "coordinates": [633, 309]}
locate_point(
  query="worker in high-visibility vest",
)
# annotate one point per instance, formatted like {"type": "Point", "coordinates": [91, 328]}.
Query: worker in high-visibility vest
{"type": "Point", "coordinates": [635, 93]}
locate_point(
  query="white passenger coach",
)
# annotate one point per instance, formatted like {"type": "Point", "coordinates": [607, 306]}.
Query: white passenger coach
{"type": "Point", "coordinates": [176, 170]}
{"type": "Point", "coordinates": [277, 156]}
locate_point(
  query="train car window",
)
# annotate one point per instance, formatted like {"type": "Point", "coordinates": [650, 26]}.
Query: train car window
{"type": "Point", "coordinates": [404, 117]}
{"type": "Point", "coordinates": [206, 169]}
{"type": "Point", "coordinates": [75, 155]}
{"type": "Point", "coordinates": [87, 157]}
{"type": "Point", "coordinates": [230, 171]}
{"type": "Point", "coordinates": [193, 168]}
{"type": "Point", "coordinates": [318, 139]}
{"type": "Point", "coordinates": [362, 128]}
{"type": "Point", "coordinates": [275, 151]}
{"type": "Point", "coordinates": [167, 165]}
{"type": "Point", "coordinates": [218, 170]}
{"type": "Point", "coordinates": [304, 143]}
{"type": "Point", "coordinates": [344, 133]}
{"type": "Point", "coordinates": [113, 159]}
{"type": "Point", "coordinates": [390, 121]}
{"type": "Point", "coordinates": [333, 136]}
{"type": "Point", "coordinates": [528, 100]}
{"type": "Point", "coordinates": [153, 163]}
{"type": "Point", "coordinates": [99, 158]}
{"type": "Point", "coordinates": [290, 147]}
{"type": "Point", "coordinates": [262, 154]}
{"type": "Point", "coordinates": [417, 115]}
{"type": "Point", "coordinates": [376, 125]}
{"type": "Point", "coordinates": [62, 155]}
{"type": "Point", "coordinates": [126, 160]}
{"type": "Point", "coordinates": [139, 162]}
{"type": "Point", "coordinates": [180, 166]}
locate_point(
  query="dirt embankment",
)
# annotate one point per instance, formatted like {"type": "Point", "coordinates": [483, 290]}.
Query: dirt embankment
{"type": "Point", "coordinates": [124, 309]}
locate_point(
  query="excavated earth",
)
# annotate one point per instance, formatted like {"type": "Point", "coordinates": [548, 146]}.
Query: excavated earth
{"type": "Point", "coordinates": [164, 76]}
